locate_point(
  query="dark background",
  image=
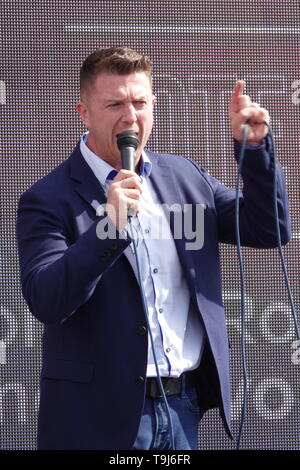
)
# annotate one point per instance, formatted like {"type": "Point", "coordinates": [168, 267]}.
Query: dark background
{"type": "Point", "coordinates": [199, 48]}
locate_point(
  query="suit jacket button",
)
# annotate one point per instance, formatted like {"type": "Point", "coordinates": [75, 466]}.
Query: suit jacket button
{"type": "Point", "coordinates": [140, 380]}
{"type": "Point", "coordinates": [142, 330]}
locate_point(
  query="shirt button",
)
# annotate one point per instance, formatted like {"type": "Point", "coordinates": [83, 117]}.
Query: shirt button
{"type": "Point", "coordinates": [147, 230]}
{"type": "Point", "coordinates": [155, 270]}
{"type": "Point", "coordinates": [140, 380]}
{"type": "Point", "coordinates": [160, 310]}
{"type": "Point", "coordinates": [168, 350]}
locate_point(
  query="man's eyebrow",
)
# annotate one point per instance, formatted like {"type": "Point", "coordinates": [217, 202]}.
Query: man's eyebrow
{"type": "Point", "coordinates": [113, 99]}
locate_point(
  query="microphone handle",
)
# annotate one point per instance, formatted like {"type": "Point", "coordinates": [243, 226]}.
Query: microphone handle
{"type": "Point", "coordinates": [127, 156]}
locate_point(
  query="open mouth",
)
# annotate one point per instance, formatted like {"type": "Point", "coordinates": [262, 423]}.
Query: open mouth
{"type": "Point", "coordinates": [128, 130]}
{"type": "Point", "coordinates": [126, 139]}
{"type": "Point", "coordinates": [128, 134]}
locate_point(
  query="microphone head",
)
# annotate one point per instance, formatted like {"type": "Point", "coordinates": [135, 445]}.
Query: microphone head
{"type": "Point", "coordinates": [127, 139]}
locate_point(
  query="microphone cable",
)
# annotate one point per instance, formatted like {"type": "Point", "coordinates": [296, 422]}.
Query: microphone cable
{"type": "Point", "coordinates": [145, 309]}
{"type": "Point", "coordinates": [242, 300]}
{"type": "Point", "coordinates": [241, 271]}
{"type": "Point", "coordinates": [127, 143]}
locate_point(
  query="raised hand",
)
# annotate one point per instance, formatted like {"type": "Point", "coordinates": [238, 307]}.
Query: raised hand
{"type": "Point", "coordinates": [242, 110]}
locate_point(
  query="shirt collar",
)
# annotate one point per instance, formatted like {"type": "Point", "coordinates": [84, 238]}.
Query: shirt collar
{"type": "Point", "coordinates": [146, 165]}
{"type": "Point", "coordinates": [101, 169]}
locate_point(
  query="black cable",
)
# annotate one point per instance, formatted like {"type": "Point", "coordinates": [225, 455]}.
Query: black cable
{"type": "Point", "coordinates": [283, 265]}
{"type": "Point", "coordinates": [242, 301]}
{"type": "Point", "coordinates": [145, 309]}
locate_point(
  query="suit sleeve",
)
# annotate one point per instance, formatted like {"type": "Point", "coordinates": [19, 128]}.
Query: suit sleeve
{"type": "Point", "coordinates": [256, 206]}
{"type": "Point", "coordinates": [57, 274]}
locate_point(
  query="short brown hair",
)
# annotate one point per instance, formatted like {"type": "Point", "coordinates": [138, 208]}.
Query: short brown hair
{"type": "Point", "coordinates": [115, 60]}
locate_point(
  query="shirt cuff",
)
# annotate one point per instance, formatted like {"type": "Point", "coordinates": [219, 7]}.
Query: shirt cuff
{"type": "Point", "coordinates": [255, 147]}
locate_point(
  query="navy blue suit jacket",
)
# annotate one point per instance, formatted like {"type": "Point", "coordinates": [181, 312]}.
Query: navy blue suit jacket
{"type": "Point", "coordinates": [85, 292]}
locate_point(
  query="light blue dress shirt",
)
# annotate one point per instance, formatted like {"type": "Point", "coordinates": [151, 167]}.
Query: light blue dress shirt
{"type": "Point", "coordinates": [178, 334]}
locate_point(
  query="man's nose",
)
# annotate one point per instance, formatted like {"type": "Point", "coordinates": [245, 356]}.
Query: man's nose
{"type": "Point", "coordinates": [129, 114]}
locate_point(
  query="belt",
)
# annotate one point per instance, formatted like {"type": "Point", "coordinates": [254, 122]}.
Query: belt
{"type": "Point", "coordinates": [171, 385]}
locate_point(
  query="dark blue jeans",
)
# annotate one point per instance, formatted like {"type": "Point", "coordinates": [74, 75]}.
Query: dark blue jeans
{"type": "Point", "coordinates": [154, 431]}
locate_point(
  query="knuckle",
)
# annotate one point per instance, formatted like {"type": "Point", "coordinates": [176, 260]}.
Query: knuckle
{"type": "Point", "coordinates": [246, 112]}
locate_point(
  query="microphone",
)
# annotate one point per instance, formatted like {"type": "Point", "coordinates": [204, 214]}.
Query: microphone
{"type": "Point", "coordinates": [127, 143]}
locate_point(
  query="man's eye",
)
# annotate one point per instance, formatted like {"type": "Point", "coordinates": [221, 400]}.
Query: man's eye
{"type": "Point", "coordinates": [113, 105]}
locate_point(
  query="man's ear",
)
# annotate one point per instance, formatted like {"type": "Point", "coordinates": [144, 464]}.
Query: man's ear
{"type": "Point", "coordinates": [81, 108]}
{"type": "Point", "coordinates": [153, 100]}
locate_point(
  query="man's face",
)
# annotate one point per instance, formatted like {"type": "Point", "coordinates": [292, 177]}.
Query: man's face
{"type": "Point", "coordinates": [113, 104]}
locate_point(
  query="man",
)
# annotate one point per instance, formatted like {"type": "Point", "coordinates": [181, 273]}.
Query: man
{"type": "Point", "coordinates": [79, 272]}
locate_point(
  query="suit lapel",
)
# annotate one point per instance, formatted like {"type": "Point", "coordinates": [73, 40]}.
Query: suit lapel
{"type": "Point", "coordinates": [87, 185]}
